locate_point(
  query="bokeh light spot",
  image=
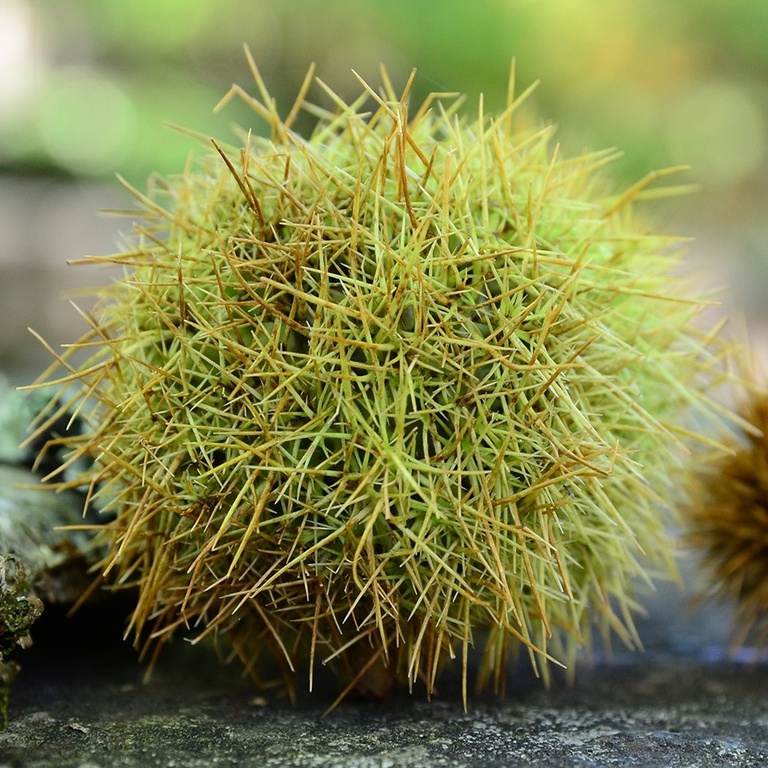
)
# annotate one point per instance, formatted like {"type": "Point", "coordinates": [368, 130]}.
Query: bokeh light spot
{"type": "Point", "coordinates": [87, 122]}
{"type": "Point", "coordinates": [719, 128]}
{"type": "Point", "coordinates": [16, 70]}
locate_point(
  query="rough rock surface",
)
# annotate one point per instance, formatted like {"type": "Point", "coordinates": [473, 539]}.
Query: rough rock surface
{"type": "Point", "coordinates": [82, 703]}
{"type": "Point", "coordinates": [19, 609]}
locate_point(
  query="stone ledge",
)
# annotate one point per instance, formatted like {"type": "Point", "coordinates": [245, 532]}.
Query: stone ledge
{"type": "Point", "coordinates": [84, 703]}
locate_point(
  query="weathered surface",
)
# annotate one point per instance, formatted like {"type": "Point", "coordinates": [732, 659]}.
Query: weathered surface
{"type": "Point", "coordinates": [19, 609]}
{"type": "Point", "coordinates": [41, 563]}
{"type": "Point", "coordinates": [37, 525]}
{"type": "Point", "coordinates": [42, 559]}
{"type": "Point", "coordinates": [83, 703]}
{"type": "Point", "coordinates": [33, 526]}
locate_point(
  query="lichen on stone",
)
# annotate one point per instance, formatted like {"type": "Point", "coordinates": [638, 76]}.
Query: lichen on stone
{"type": "Point", "coordinates": [19, 609]}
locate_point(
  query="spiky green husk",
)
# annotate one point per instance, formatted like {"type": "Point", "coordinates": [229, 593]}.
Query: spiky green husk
{"type": "Point", "coordinates": [362, 398]}
{"type": "Point", "coordinates": [727, 522]}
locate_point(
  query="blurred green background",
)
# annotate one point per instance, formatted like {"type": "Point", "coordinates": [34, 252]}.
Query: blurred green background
{"type": "Point", "coordinates": [88, 86]}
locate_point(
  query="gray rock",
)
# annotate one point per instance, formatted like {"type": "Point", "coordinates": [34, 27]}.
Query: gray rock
{"type": "Point", "coordinates": [657, 711]}
{"type": "Point", "coordinates": [82, 701]}
{"type": "Point", "coordinates": [19, 609]}
{"type": "Point", "coordinates": [42, 529]}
